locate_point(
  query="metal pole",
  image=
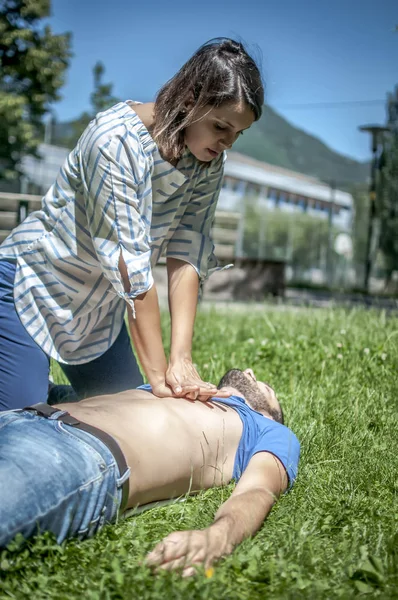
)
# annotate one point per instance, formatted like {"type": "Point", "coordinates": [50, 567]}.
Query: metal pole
{"type": "Point", "coordinates": [375, 131]}
{"type": "Point", "coordinates": [48, 129]}
{"type": "Point", "coordinates": [372, 214]}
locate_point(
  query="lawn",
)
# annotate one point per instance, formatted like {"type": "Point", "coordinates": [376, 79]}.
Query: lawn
{"type": "Point", "coordinates": [335, 535]}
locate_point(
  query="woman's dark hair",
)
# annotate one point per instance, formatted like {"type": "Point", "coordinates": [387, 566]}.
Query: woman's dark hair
{"type": "Point", "coordinates": [220, 71]}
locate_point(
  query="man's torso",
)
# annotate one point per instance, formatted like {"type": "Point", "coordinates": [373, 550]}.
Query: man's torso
{"type": "Point", "coordinates": [172, 445]}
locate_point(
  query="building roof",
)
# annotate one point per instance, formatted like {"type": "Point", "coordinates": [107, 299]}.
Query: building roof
{"type": "Point", "coordinates": [251, 170]}
{"type": "Point", "coordinates": [43, 172]}
{"type": "Point", "coordinates": [243, 158]}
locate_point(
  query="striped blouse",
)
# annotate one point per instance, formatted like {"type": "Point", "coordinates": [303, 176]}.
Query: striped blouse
{"type": "Point", "coordinates": [114, 195]}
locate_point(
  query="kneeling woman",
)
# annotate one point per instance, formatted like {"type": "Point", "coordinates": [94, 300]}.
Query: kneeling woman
{"type": "Point", "coordinates": [142, 182]}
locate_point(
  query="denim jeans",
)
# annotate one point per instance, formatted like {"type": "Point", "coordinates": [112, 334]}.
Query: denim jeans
{"type": "Point", "coordinates": [54, 477]}
{"type": "Point", "coordinates": [24, 367]}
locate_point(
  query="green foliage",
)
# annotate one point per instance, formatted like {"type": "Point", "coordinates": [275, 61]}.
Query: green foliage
{"type": "Point", "coordinates": [33, 62]}
{"type": "Point", "coordinates": [333, 536]}
{"type": "Point", "coordinates": [387, 196]}
{"type": "Point", "coordinates": [67, 134]}
{"type": "Point", "coordinates": [299, 238]}
{"type": "Point", "coordinates": [274, 140]}
{"type": "Point", "coordinates": [102, 97]}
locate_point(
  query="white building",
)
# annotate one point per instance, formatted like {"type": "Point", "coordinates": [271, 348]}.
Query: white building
{"type": "Point", "coordinates": [42, 172]}
{"type": "Point", "coordinates": [278, 188]}
{"type": "Point", "coordinates": [281, 189]}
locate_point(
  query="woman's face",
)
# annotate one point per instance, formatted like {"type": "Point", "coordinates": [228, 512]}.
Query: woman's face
{"type": "Point", "coordinates": [216, 129]}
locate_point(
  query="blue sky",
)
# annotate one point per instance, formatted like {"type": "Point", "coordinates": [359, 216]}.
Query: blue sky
{"type": "Point", "coordinates": [311, 51]}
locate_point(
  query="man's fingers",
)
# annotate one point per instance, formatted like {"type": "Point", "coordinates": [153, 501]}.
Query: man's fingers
{"type": "Point", "coordinates": [174, 546]}
{"type": "Point", "coordinates": [189, 572]}
{"type": "Point", "coordinates": [173, 565]}
{"type": "Point", "coordinates": [155, 556]}
{"type": "Point", "coordinates": [192, 557]}
{"type": "Point", "coordinates": [163, 554]}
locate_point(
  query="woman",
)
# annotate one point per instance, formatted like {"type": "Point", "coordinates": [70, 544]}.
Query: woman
{"type": "Point", "coordinates": [142, 182]}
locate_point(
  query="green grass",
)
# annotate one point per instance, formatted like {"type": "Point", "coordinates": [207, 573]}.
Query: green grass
{"type": "Point", "coordinates": [333, 536]}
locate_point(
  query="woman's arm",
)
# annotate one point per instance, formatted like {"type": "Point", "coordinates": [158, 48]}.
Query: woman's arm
{"type": "Point", "coordinates": [183, 286]}
{"type": "Point", "coordinates": [183, 297]}
{"type": "Point", "coordinates": [192, 241]}
{"type": "Point", "coordinates": [146, 333]}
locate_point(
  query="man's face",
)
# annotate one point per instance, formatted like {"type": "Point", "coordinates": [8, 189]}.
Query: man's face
{"type": "Point", "coordinates": [216, 129]}
{"type": "Point", "coordinates": [259, 395]}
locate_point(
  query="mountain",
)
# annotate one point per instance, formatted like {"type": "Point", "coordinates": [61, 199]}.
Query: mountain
{"type": "Point", "coordinates": [274, 140]}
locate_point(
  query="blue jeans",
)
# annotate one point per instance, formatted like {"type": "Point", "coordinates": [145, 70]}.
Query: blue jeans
{"type": "Point", "coordinates": [54, 477]}
{"type": "Point", "coordinates": [24, 367]}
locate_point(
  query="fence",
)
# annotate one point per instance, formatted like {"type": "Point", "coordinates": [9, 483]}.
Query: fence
{"type": "Point", "coordinates": [259, 275]}
{"type": "Point", "coordinates": [14, 208]}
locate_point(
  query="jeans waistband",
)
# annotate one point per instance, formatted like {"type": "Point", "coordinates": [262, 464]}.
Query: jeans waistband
{"type": "Point", "coordinates": [44, 410]}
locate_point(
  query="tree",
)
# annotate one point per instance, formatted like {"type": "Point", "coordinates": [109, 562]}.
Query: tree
{"type": "Point", "coordinates": [299, 238]}
{"type": "Point", "coordinates": [387, 197]}
{"type": "Point", "coordinates": [102, 97]}
{"type": "Point", "coordinates": [33, 62]}
{"type": "Point", "coordinates": [67, 134]}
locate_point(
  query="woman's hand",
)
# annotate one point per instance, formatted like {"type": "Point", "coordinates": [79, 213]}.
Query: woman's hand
{"type": "Point", "coordinates": [161, 390]}
{"type": "Point", "coordinates": [185, 382]}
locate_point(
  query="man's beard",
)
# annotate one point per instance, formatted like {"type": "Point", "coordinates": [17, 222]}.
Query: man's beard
{"type": "Point", "coordinates": [237, 379]}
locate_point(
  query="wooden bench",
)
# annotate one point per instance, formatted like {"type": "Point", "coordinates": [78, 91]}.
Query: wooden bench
{"type": "Point", "coordinates": [14, 208]}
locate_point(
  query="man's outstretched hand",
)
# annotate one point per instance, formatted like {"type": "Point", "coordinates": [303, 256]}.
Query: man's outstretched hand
{"type": "Point", "coordinates": [262, 482]}
{"type": "Point", "coordinates": [186, 550]}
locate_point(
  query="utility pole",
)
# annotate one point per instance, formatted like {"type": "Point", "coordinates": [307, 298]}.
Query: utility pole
{"type": "Point", "coordinates": [48, 129]}
{"type": "Point", "coordinates": [376, 132]}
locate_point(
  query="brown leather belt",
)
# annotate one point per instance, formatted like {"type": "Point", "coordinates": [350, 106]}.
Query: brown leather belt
{"type": "Point", "coordinates": [44, 410]}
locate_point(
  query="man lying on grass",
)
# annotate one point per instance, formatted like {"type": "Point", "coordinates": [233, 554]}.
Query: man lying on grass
{"type": "Point", "coordinates": [71, 472]}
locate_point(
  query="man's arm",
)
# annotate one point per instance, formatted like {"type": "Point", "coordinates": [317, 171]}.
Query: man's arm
{"type": "Point", "coordinates": [238, 518]}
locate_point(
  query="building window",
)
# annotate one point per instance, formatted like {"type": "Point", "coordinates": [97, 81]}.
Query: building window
{"type": "Point", "coordinates": [283, 199]}
{"type": "Point", "coordinates": [302, 203]}
{"type": "Point", "coordinates": [236, 184]}
{"type": "Point", "coordinates": [253, 189]}
{"type": "Point", "coordinates": [227, 182]}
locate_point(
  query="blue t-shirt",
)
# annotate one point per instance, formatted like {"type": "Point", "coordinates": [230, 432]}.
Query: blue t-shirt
{"type": "Point", "coordinates": [260, 434]}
